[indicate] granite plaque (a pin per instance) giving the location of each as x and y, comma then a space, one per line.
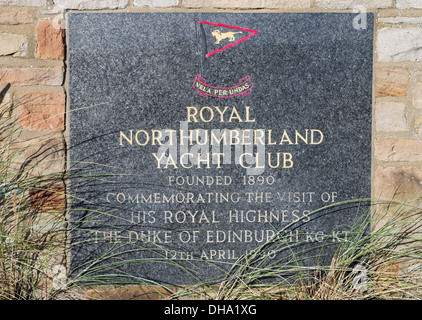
196, 138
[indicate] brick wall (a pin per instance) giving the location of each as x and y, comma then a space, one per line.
32, 60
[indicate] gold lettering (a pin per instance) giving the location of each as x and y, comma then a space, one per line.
193, 116
201, 114
247, 114
156, 136
235, 115
270, 142
221, 113
158, 159
146, 137
285, 138
312, 136
122, 135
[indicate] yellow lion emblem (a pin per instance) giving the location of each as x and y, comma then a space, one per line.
221, 36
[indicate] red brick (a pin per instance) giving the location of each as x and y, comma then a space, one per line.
32, 76
43, 111
50, 41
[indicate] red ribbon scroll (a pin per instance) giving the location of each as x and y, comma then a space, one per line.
244, 88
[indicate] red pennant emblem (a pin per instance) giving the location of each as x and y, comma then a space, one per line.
229, 34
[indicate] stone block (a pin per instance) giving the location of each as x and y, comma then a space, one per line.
409, 4
45, 157
50, 40
281, 4
391, 82
130, 293
155, 3
48, 199
417, 96
6, 105
91, 4
42, 111
396, 150
350, 4
390, 116
31, 76
397, 183
395, 45
15, 17
24, 3
13, 44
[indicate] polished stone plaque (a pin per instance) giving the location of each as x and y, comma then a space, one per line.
197, 138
